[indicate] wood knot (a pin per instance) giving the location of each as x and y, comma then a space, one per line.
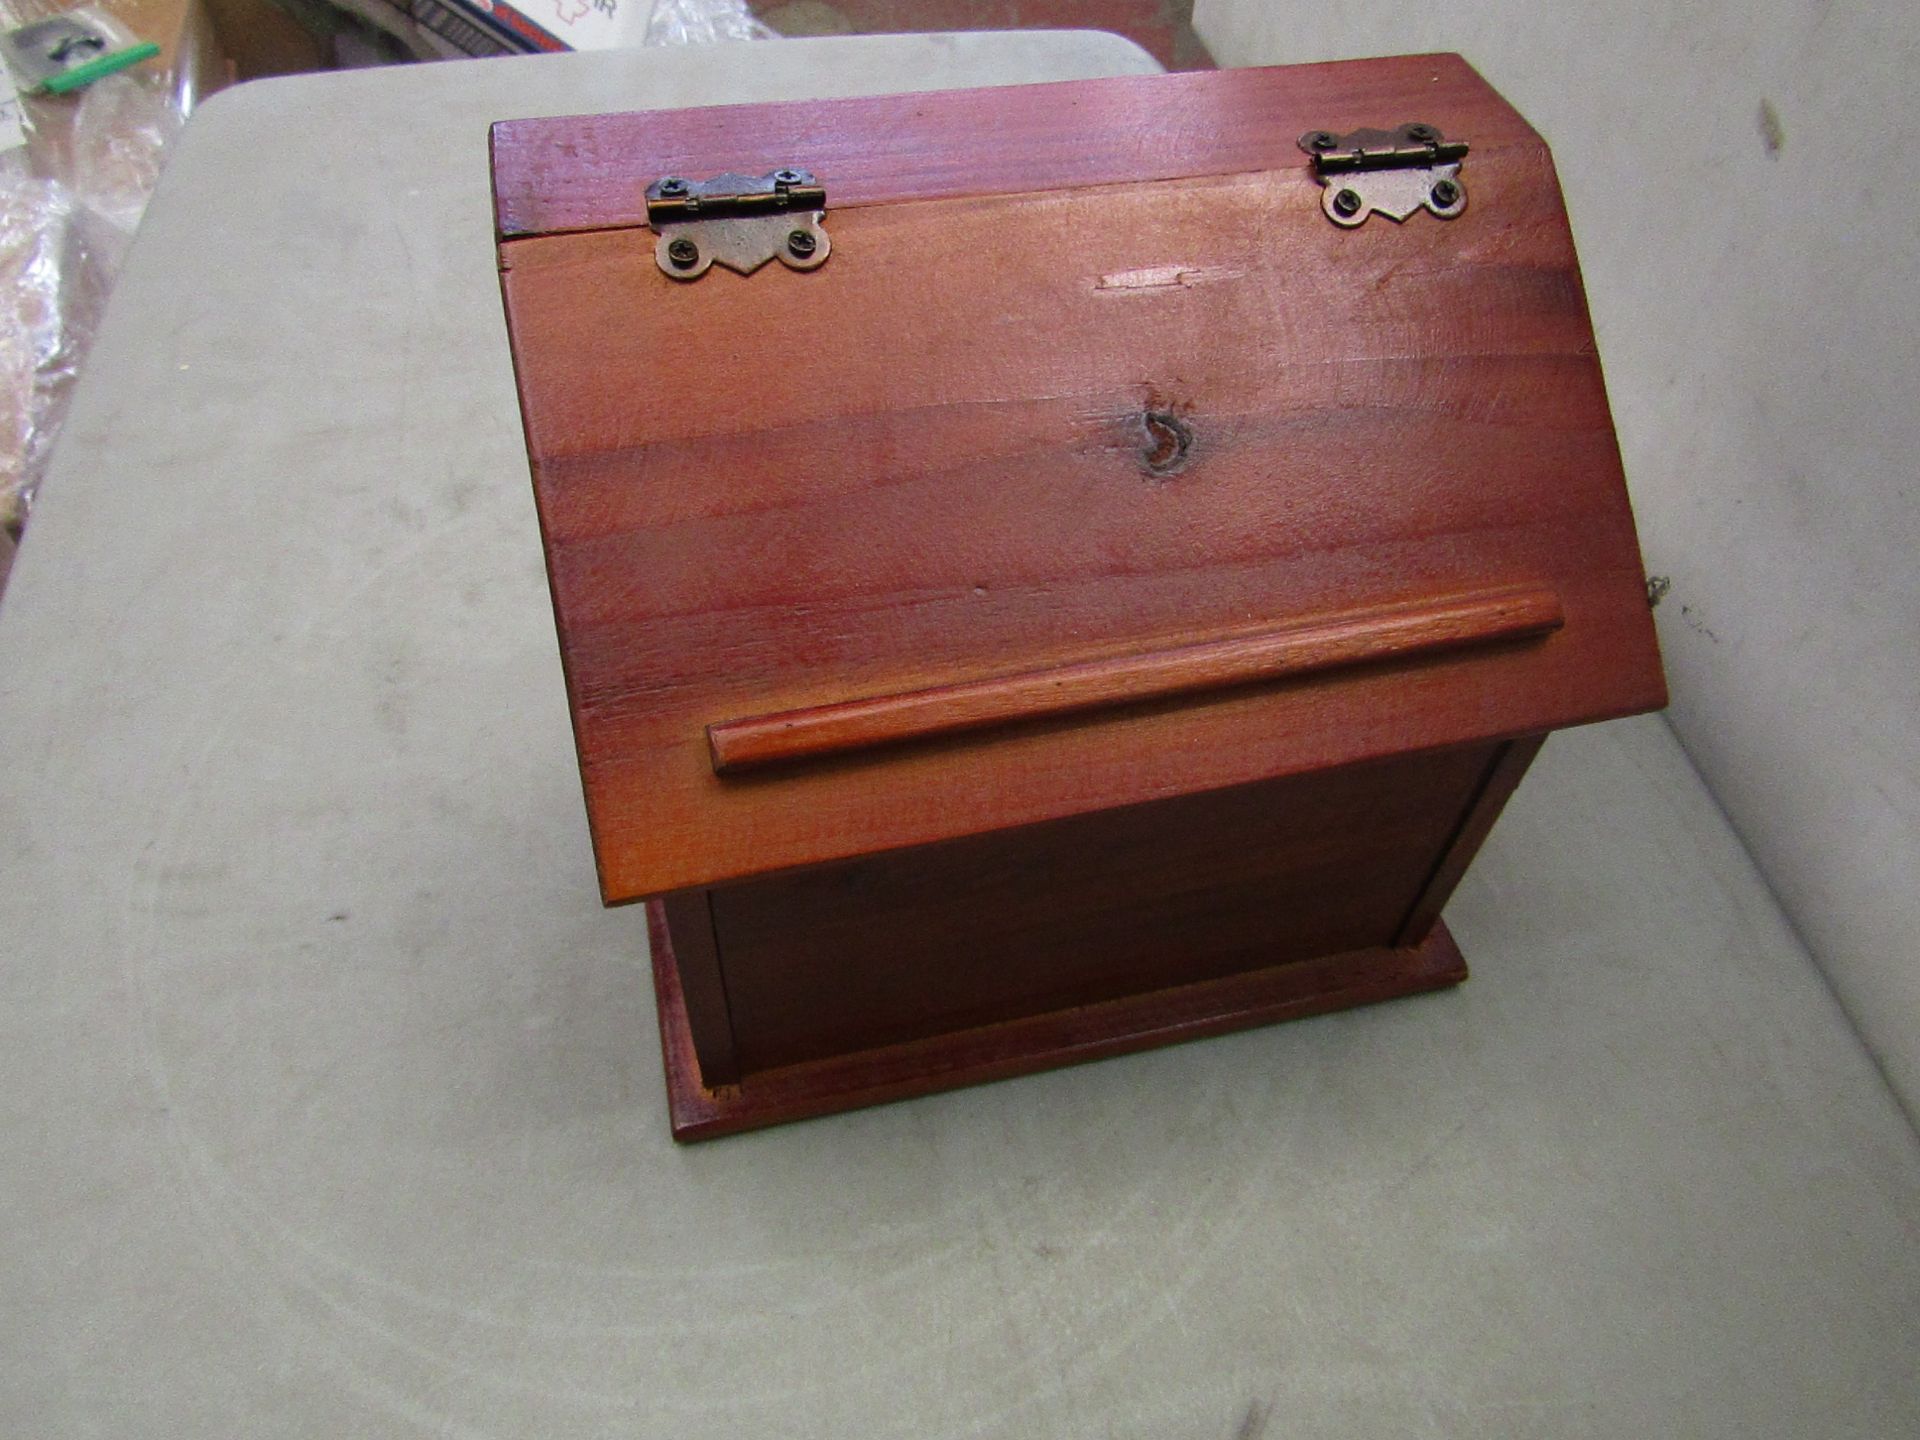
1169, 441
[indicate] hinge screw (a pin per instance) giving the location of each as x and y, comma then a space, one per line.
1322, 140
801, 244
683, 252
1445, 193
1423, 134
673, 185
1347, 202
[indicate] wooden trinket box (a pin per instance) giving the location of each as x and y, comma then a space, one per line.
1048, 571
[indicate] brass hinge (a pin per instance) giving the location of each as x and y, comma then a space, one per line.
1389, 172
740, 221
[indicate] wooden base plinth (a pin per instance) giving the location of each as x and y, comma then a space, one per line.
1020, 1047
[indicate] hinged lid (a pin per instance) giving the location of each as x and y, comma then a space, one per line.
1096, 468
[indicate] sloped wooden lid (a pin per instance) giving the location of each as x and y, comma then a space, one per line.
1096, 465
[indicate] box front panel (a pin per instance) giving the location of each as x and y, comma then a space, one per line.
899, 946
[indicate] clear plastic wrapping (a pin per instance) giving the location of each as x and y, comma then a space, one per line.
70, 199
37, 363
700, 22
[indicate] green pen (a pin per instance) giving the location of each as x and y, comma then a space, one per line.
93, 70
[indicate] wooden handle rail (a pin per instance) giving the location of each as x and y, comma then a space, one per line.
1326, 642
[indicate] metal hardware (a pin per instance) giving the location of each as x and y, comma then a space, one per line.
740, 221
1387, 172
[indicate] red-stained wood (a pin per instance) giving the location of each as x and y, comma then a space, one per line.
703, 981
1504, 772
1020, 1047
574, 173
944, 466
1191, 668
914, 942
1223, 567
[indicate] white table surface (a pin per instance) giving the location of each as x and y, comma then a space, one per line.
332, 1098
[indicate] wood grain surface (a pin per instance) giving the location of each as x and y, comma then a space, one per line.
945, 456
1194, 667
1020, 1047
941, 937
588, 172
